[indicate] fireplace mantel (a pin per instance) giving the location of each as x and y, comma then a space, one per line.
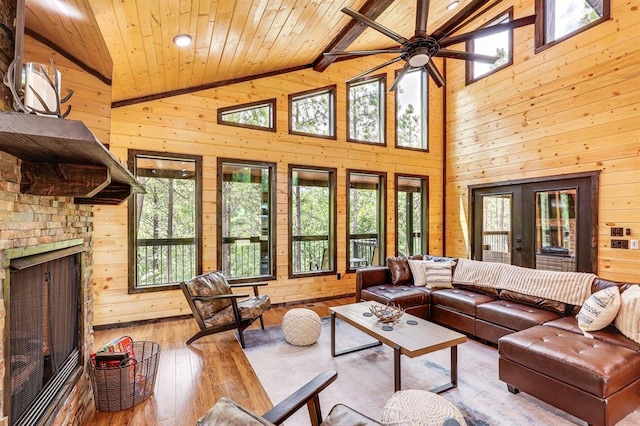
63, 158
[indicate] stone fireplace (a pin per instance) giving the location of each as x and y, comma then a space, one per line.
43, 230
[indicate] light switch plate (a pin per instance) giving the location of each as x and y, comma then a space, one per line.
633, 244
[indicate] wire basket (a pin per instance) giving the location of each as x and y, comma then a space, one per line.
119, 388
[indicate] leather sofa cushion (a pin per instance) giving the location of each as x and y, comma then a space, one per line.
399, 270
609, 334
512, 315
551, 305
485, 290
596, 367
401, 295
460, 300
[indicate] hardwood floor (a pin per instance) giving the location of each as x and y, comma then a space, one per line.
192, 378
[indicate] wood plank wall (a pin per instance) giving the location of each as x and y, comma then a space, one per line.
187, 124
574, 107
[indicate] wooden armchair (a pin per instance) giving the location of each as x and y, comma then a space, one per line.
227, 412
217, 309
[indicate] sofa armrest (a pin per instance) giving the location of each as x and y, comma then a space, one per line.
369, 277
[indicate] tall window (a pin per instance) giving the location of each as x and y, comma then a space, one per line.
312, 218
499, 44
366, 231
165, 223
313, 113
560, 19
411, 110
246, 219
259, 115
367, 111
412, 204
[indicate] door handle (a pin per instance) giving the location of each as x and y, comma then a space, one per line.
517, 248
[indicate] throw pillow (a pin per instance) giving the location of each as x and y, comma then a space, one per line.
399, 270
599, 310
628, 319
438, 274
418, 272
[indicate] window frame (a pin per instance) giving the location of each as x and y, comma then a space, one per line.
541, 24
273, 235
333, 105
381, 213
132, 216
424, 107
382, 118
333, 220
469, 78
424, 191
248, 106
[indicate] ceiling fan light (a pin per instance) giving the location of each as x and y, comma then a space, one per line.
182, 40
453, 5
419, 60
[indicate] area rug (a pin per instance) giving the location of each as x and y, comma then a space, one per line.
365, 378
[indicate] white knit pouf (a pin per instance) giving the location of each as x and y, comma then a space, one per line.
301, 327
419, 408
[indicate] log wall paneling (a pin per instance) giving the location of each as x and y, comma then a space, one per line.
571, 108
187, 123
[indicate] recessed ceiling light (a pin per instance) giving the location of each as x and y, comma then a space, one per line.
182, 40
453, 5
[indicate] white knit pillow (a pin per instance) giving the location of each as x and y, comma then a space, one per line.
438, 274
599, 310
628, 319
418, 271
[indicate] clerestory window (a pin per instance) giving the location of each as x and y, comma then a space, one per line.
259, 115
313, 113
366, 118
499, 45
412, 110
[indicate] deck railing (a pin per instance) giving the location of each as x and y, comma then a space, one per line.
165, 261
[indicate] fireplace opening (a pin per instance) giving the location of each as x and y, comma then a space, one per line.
43, 333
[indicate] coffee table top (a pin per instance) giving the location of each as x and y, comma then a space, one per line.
412, 340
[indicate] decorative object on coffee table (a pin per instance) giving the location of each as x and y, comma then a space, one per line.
387, 313
301, 327
420, 408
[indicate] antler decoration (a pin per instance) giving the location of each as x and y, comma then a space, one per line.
387, 313
55, 84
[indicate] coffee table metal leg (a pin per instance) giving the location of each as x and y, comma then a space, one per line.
397, 379
335, 353
454, 373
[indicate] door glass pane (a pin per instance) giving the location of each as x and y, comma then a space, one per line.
411, 214
365, 219
496, 228
556, 230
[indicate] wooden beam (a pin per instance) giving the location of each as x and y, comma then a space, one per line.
113, 195
454, 24
67, 180
371, 9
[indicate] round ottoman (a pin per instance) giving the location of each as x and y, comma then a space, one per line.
419, 408
301, 327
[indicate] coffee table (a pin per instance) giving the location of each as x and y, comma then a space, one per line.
410, 336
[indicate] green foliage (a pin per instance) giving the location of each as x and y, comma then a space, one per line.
365, 111
258, 116
312, 114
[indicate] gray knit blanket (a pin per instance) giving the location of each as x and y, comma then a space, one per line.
568, 287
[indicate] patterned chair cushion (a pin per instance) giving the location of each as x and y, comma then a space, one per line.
210, 284
252, 308
227, 412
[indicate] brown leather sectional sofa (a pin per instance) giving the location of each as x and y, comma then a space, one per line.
542, 350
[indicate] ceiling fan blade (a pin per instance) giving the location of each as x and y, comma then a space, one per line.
422, 16
402, 72
467, 56
376, 68
373, 24
363, 52
485, 31
434, 73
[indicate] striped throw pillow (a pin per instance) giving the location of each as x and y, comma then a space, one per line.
599, 310
418, 271
438, 274
628, 319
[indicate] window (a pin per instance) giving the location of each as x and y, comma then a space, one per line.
366, 222
312, 113
499, 44
411, 110
412, 212
312, 219
367, 111
165, 223
246, 220
559, 20
259, 115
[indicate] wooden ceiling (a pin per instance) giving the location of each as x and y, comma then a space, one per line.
232, 39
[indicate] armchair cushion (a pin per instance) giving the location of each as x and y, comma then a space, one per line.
341, 415
250, 308
228, 413
211, 284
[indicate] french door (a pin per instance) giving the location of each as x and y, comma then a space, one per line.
544, 223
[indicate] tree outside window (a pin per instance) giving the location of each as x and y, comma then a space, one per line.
412, 203
259, 115
411, 110
246, 214
499, 44
165, 222
367, 111
312, 113
559, 20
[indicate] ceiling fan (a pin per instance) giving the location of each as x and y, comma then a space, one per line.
418, 51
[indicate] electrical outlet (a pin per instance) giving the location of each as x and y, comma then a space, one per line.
617, 232
633, 244
621, 244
